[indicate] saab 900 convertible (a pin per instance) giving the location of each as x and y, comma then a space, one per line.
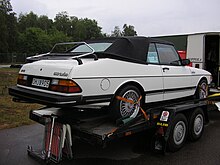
97, 71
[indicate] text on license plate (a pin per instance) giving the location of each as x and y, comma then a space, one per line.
40, 82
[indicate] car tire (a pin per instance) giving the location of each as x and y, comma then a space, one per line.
178, 134
196, 124
121, 109
202, 90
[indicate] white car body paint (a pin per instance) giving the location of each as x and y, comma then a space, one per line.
158, 84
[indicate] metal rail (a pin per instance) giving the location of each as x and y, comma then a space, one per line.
78, 57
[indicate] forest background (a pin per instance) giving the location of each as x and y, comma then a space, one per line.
27, 34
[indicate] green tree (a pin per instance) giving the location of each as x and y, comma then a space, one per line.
8, 27
12, 32
116, 32
92, 29
72, 27
34, 40
44, 23
128, 30
77, 29
5, 6
26, 21
62, 22
87, 29
3, 32
80, 31
57, 36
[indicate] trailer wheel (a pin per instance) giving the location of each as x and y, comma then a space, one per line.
178, 133
196, 124
120, 108
202, 90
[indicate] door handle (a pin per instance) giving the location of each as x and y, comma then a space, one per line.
164, 69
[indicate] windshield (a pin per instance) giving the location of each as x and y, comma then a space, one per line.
80, 47
98, 47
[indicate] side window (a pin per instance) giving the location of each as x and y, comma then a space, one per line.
168, 55
152, 56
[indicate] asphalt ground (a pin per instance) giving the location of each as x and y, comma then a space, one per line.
130, 150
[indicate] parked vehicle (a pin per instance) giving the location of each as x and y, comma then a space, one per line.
98, 71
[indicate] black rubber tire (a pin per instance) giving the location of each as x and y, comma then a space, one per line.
179, 123
196, 124
116, 110
202, 90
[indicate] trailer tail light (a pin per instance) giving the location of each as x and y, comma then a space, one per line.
22, 79
65, 86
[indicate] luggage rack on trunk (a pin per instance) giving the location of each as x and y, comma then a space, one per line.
79, 56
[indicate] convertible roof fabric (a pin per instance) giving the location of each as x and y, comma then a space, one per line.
129, 48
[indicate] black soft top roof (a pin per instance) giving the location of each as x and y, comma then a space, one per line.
129, 48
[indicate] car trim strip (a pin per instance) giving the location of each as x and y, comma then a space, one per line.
162, 91
120, 77
99, 98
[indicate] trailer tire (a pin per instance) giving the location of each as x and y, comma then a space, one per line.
196, 124
178, 134
121, 109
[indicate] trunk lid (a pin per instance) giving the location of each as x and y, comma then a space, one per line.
51, 68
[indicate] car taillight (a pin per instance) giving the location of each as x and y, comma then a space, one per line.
66, 86
22, 79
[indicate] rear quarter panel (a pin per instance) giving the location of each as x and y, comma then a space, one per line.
117, 73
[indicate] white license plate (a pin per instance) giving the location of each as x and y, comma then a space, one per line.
40, 82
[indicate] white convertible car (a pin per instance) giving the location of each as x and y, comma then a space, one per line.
99, 70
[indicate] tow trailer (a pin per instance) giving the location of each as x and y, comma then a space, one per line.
172, 123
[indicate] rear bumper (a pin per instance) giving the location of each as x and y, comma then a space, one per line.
26, 95
44, 98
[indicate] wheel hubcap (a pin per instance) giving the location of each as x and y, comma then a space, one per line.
179, 132
198, 124
203, 91
126, 109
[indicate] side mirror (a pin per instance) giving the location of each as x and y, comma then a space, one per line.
185, 62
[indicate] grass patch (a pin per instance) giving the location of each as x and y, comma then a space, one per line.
12, 114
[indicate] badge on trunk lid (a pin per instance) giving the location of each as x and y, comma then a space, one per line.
63, 74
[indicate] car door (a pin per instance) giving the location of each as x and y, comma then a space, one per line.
176, 77
154, 82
